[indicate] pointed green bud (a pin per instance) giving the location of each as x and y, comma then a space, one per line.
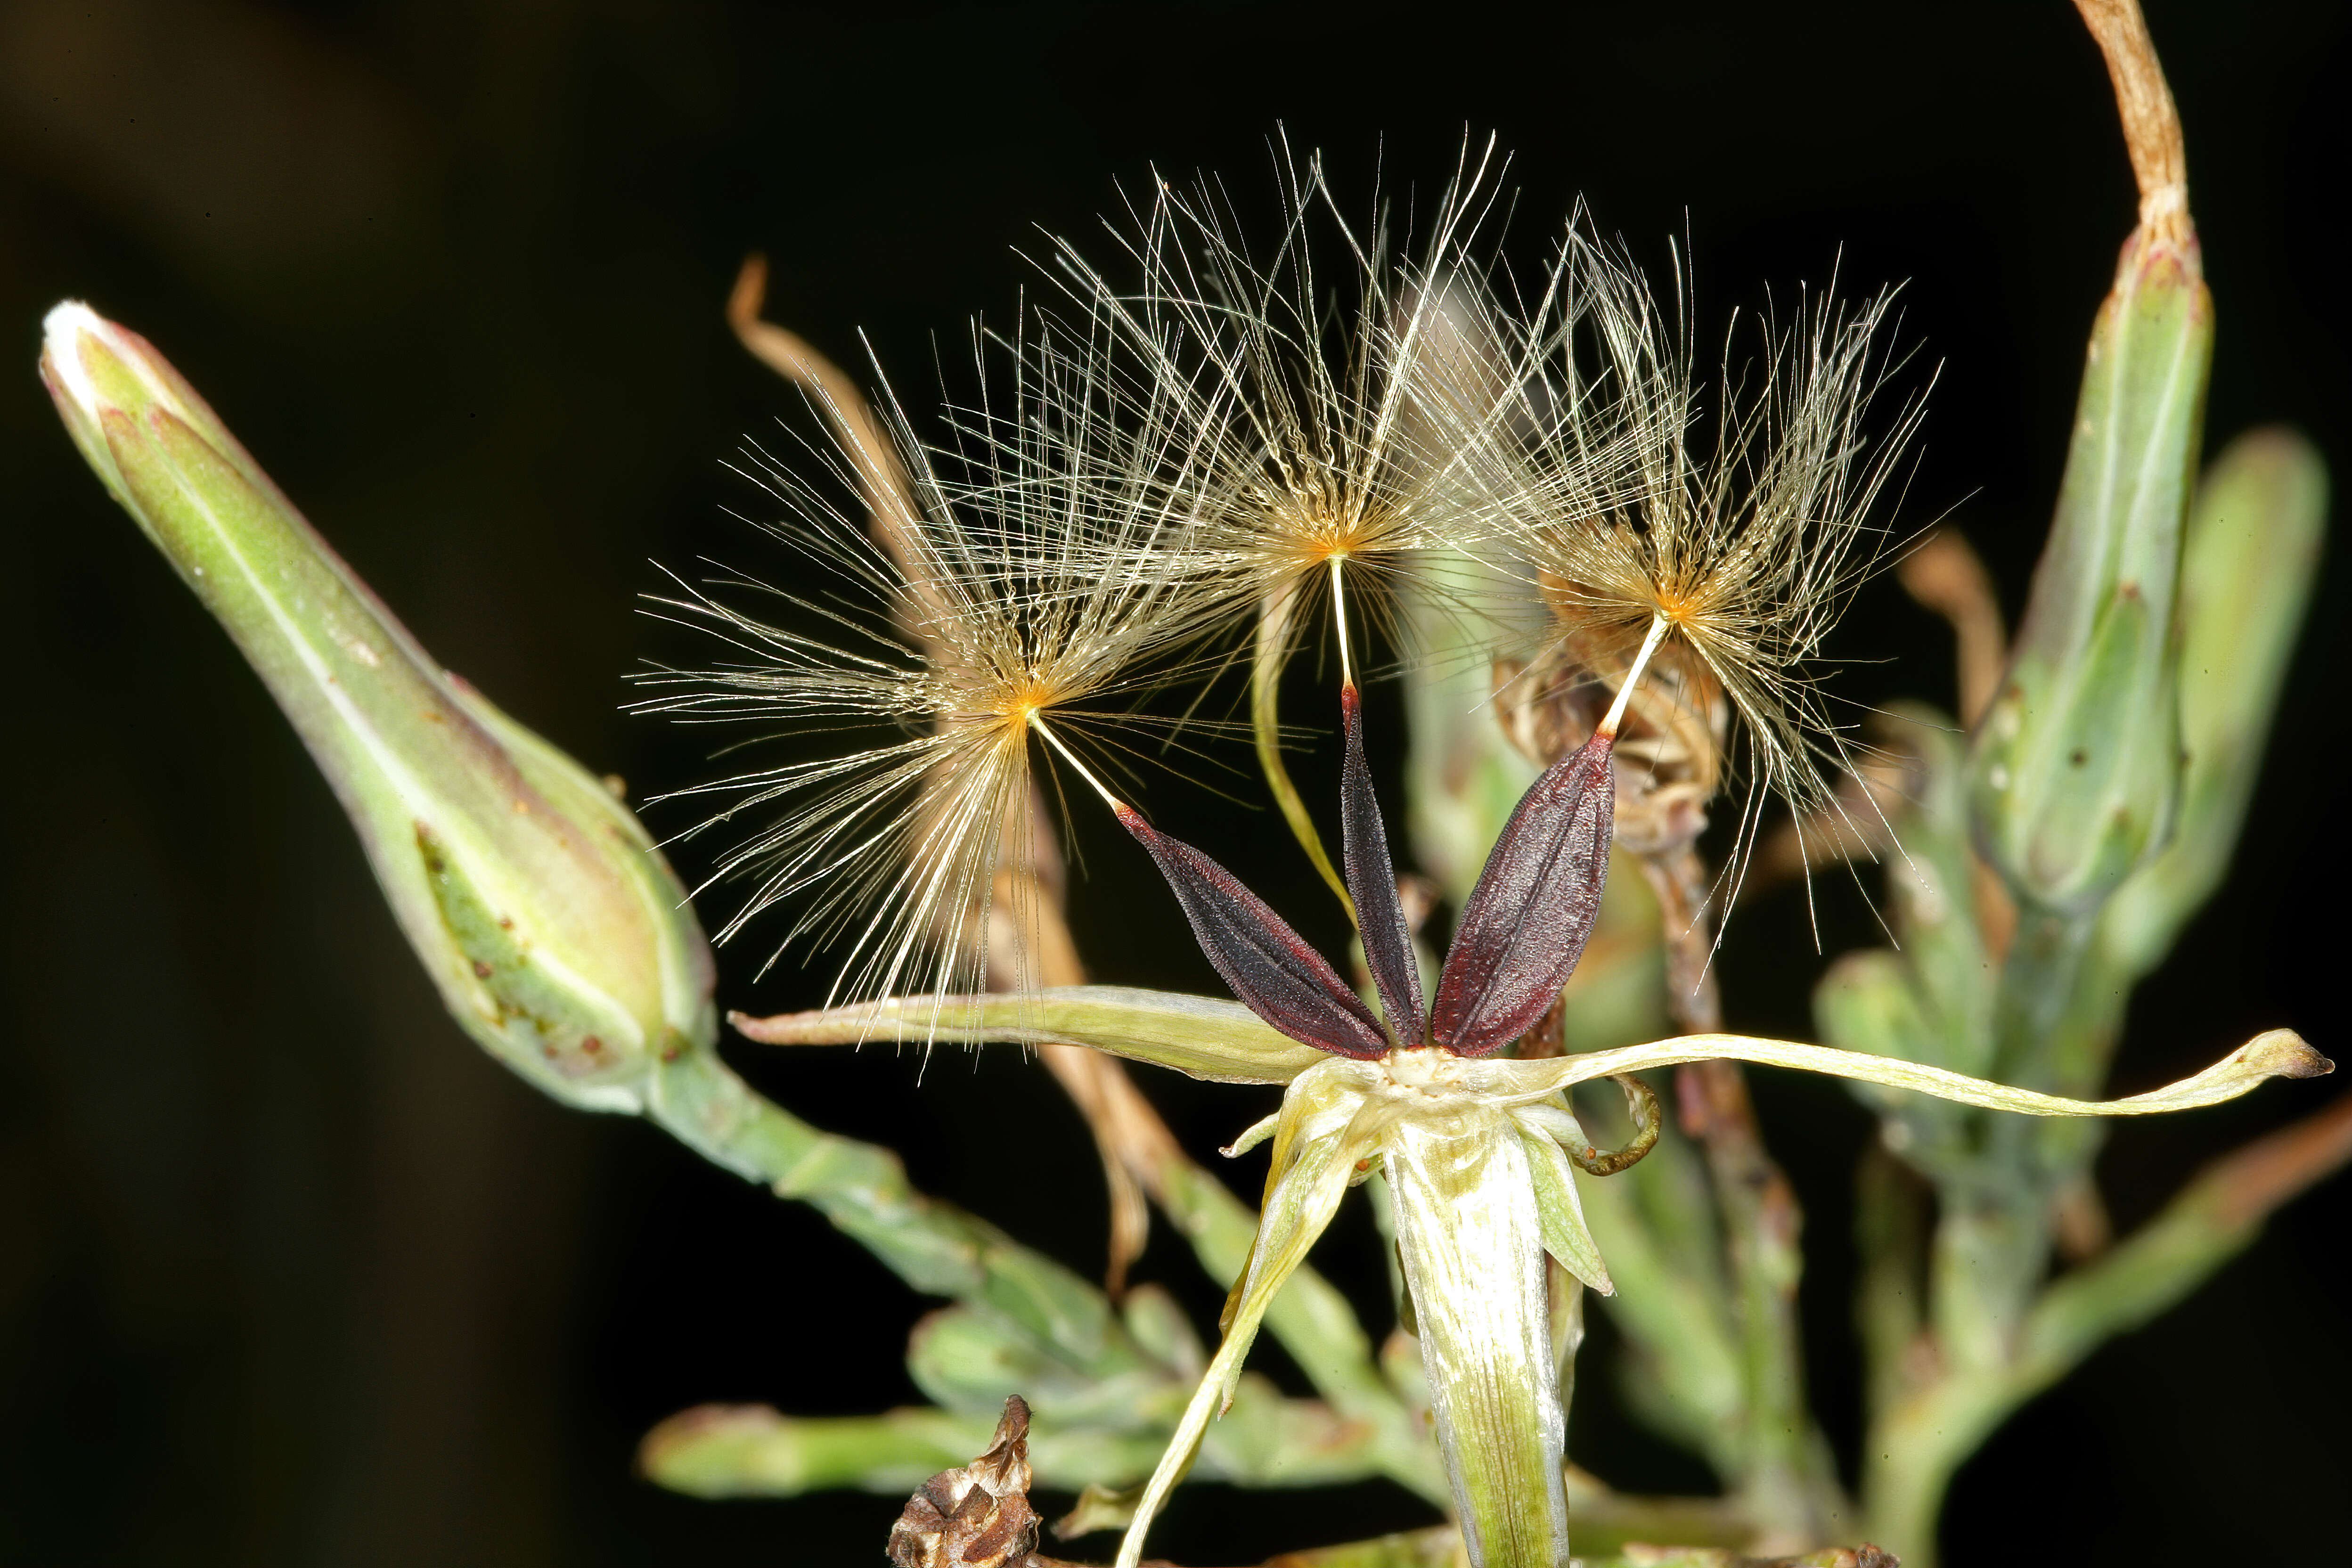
557, 935
2250, 561
2076, 765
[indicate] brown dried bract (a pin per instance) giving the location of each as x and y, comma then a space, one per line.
978, 1515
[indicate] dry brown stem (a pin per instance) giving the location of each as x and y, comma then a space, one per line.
881, 477
2249, 1184
1944, 574
2151, 122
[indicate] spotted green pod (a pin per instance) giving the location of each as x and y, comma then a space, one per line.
2075, 767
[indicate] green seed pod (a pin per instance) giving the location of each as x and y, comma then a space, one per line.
2076, 765
557, 935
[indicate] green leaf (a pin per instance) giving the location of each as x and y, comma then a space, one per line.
1562, 1212
2251, 562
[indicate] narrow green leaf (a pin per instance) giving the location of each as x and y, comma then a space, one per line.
1562, 1212
2275, 1052
1201, 1036
2251, 562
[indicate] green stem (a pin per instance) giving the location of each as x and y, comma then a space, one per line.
1891, 1221
1785, 1472
1992, 1241
863, 1189
1914, 1447
1786, 1475
1655, 1224
938, 1249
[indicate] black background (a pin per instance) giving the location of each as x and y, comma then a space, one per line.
290, 1273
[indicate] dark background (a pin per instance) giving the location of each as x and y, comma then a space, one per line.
290, 1273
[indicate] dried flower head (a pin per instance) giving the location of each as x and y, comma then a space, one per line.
1743, 554
973, 619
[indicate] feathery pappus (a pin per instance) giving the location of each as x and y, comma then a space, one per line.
973, 619
1301, 455
1725, 557
1308, 457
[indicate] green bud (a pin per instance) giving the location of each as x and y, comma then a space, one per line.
558, 936
2076, 765
2252, 558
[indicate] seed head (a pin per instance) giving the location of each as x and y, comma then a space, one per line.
1744, 542
1303, 450
973, 611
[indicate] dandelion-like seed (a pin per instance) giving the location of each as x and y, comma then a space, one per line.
1741, 557
973, 617
1305, 466
1305, 462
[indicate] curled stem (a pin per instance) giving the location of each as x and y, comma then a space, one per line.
1274, 636
1642, 1105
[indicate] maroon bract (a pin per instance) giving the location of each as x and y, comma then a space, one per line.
1372, 886
1526, 920
1270, 967
1520, 934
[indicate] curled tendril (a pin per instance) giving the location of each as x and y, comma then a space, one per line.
1643, 1106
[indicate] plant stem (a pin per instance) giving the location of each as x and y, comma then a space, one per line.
1914, 1447
863, 1189
1786, 1479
